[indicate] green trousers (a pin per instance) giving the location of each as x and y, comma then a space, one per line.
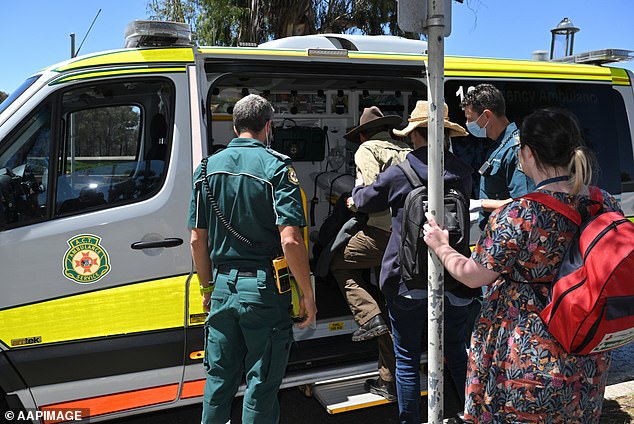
248, 332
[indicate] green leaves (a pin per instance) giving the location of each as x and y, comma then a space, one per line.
228, 22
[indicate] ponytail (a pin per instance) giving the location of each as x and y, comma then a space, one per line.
580, 169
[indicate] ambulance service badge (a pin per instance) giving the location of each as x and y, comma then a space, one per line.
85, 261
292, 175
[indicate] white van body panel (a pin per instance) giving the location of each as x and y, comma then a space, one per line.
376, 43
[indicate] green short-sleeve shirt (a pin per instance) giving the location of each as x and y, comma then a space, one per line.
256, 190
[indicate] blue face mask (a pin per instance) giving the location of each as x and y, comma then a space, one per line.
475, 129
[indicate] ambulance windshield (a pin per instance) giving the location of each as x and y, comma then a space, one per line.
17, 92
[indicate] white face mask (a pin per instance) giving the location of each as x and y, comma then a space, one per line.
475, 129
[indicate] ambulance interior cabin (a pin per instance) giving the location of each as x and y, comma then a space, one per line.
312, 114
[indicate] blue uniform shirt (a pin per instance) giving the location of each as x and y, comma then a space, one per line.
256, 189
504, 179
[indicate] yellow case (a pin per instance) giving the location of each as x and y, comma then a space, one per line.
282, 274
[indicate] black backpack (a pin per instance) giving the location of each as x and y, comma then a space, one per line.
413, 251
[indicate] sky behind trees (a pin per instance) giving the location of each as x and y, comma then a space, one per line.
35, 34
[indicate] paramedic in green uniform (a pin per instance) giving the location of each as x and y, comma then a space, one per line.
249, 329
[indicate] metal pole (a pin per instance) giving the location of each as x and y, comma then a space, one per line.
435, 284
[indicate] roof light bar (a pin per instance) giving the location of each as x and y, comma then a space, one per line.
142, 33
599, 57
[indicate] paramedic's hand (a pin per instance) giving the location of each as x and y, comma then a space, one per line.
435, 237
307, 310
207, 302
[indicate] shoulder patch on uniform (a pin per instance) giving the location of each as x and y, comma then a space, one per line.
292, 175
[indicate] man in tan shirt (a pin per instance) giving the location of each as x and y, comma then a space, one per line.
377, 151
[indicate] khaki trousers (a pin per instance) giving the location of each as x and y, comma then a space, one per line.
365, 250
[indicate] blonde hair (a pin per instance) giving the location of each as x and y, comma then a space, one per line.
580, 169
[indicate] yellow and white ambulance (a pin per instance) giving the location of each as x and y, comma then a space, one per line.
98, 310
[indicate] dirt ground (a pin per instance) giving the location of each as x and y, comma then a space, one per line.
618, 411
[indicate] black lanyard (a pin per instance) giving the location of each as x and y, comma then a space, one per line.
552, 180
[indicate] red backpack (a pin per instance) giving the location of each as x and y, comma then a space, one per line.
591, 306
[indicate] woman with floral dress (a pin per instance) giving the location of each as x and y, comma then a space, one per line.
517, 371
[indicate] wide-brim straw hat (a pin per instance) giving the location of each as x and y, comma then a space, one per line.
372, 118
420, 118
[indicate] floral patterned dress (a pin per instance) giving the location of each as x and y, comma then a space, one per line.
517, 372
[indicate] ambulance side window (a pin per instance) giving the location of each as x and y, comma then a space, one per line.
24, 169
600, 110
115, 144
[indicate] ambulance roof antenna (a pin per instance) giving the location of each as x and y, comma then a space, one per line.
74, 53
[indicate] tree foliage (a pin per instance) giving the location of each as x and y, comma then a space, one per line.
172, 10
228, 22
3, 96
107, 131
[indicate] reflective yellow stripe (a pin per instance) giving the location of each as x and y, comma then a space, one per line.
114, 73
620, 76
460, 66
251, 51
120, 57
388, 56
147, 306
489, 68
242, 51
525, 75
454, 66
195, 313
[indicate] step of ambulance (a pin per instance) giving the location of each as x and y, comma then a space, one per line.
334, 326
349, 394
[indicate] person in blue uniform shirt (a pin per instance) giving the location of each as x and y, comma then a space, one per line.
502, 180
257, 217
407, 305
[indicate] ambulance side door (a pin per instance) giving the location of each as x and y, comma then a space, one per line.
94, 187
